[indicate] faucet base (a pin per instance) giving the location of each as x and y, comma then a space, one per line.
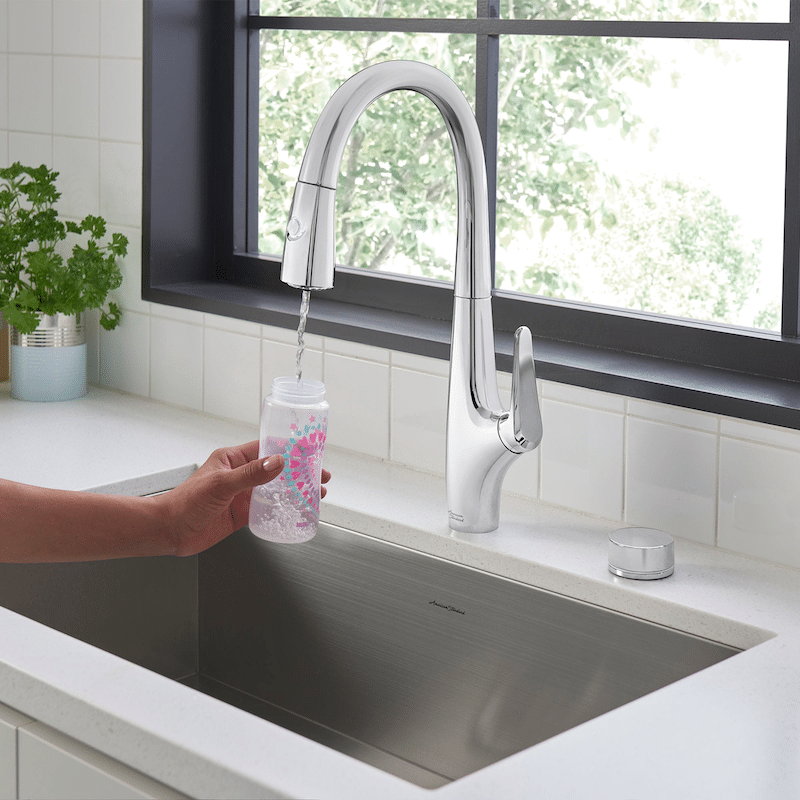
474, 504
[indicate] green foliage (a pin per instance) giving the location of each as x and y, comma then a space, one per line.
396, 201
674, 249
35, 276
398, 178
550, 88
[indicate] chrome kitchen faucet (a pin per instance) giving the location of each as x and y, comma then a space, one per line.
482, 439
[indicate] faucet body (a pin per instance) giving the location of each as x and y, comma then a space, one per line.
482, 438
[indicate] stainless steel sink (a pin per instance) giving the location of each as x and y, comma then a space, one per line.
424, 668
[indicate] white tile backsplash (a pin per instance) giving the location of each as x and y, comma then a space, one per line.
673, 415
76, 106
581, 396
30, 148
231, 375
76, 27
77, 162
279, 359
121, 114
129, 295
30, 26
176, 362
93, 346
3, 91
3, 26
759, 503
358, 392
30, 93
419, 414
765, 434
582, 455
433, 366
121, 28
232, 325
289, 336
671, 480
121, 183
523, 476
181, 314
71, 96
363, 352
125, 355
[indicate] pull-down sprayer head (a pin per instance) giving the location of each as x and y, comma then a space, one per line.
309, 247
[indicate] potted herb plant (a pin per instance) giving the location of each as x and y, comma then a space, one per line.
43, 293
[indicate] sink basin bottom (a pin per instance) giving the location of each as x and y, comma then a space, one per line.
421, 667
381, 759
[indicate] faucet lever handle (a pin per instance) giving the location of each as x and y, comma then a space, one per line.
521, 430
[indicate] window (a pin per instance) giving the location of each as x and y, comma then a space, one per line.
671, 277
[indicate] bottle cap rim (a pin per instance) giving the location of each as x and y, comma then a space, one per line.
306, 391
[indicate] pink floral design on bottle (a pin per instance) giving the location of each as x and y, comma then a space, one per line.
301, 455
294, 422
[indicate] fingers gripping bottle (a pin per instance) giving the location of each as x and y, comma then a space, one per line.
294, 423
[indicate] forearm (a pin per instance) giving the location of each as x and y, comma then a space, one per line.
38, 525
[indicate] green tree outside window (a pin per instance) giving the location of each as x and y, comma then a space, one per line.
661, 244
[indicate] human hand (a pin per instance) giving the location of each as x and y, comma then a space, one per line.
215, 501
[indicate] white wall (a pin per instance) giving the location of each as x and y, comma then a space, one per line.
70, 96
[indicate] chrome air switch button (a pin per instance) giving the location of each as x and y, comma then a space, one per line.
295, 229
644, 554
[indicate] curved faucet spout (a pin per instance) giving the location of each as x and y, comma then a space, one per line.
482, 439
308, 256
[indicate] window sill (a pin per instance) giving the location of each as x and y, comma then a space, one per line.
711, 389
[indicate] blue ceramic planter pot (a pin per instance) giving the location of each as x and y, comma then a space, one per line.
50, 363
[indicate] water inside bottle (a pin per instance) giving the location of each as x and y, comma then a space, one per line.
276, 515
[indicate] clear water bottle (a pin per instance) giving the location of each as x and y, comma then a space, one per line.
294, 423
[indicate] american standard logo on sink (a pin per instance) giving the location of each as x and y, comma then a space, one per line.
447, 608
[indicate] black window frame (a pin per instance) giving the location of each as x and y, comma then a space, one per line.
198, 222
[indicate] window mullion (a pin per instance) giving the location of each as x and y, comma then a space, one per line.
253, 90
487, 60
790, 315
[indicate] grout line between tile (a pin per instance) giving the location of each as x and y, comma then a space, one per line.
539, 470
149, 360
760, 442
99, 89
673, 424
625, 420
390, 379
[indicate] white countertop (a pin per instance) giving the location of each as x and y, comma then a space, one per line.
731, 731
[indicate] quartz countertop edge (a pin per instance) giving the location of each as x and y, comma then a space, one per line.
729, 731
